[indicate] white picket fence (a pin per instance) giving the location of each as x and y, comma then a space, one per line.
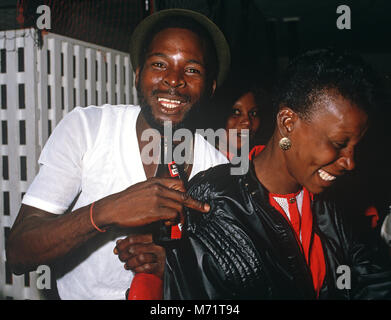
38, 87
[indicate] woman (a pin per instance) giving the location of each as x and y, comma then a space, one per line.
237, 106
270, 234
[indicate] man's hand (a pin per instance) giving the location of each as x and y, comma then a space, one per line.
141, 255
147, 202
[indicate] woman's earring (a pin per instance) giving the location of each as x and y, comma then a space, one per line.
285, 143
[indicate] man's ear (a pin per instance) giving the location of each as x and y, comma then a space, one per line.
286, 119
137, 77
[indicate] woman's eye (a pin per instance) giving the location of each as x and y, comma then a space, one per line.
339, 145
236, 112
254, 113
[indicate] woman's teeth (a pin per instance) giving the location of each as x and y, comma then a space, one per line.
168, 103
326, 176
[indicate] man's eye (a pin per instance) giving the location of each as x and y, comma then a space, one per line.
158, 64
193, 71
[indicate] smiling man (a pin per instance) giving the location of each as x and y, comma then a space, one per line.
94, 160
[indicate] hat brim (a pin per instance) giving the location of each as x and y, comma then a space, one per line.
219, 41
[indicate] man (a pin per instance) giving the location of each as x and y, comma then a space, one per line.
94, 158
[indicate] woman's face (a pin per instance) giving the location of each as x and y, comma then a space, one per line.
244, 116
323, 146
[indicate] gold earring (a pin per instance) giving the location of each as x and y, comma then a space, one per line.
285, 143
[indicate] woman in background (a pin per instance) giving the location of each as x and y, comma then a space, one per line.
238, 106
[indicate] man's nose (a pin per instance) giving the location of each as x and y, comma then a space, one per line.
174, 80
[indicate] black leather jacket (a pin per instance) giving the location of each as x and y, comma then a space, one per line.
244, 249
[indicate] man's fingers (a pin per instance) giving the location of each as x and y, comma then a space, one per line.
174, 189
140, 238
137, 251
147, 263
185, 200
169, 215
123, 244
146, 268
170, 183
141, 260
163, 199
177, 189
195, 204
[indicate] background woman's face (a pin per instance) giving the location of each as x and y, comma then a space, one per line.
323, 146
244, 116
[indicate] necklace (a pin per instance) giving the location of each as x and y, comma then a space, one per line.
184, 162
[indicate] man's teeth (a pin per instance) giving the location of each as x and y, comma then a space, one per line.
326, 176
168, 103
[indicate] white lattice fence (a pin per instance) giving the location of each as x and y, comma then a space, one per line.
38, 87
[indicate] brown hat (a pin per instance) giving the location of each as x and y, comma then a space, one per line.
218, 39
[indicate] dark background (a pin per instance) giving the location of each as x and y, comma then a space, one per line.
263, 35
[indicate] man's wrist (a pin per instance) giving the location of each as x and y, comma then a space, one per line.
98, 215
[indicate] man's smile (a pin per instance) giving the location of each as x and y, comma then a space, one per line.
171, 105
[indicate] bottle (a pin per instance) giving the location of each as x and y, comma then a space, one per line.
167, 235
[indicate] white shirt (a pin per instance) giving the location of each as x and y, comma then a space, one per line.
95, 151
283, 203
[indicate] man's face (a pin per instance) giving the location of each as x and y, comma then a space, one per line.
173, 79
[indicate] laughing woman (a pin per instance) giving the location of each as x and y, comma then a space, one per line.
269, 234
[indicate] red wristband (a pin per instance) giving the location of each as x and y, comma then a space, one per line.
92, 220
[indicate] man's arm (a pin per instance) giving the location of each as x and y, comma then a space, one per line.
39, 237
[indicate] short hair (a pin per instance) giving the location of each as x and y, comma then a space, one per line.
189, 24
312, 74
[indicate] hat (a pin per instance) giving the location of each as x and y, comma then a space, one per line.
218, 39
